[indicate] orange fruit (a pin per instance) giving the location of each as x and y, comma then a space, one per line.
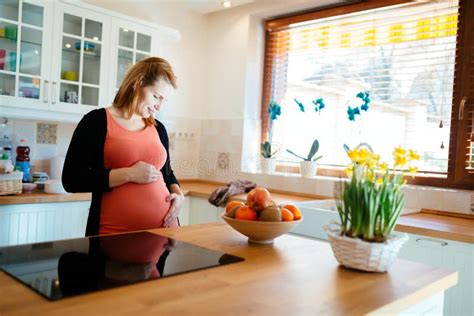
293, 209
287, 215
246, 213
231, 204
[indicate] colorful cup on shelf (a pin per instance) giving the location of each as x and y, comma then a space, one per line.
2, 32
11, 32
88, 47
70, 75
12, 61
2, 58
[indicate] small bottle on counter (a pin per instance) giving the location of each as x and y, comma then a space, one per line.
23, 159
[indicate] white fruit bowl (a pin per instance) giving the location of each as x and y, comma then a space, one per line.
260, 232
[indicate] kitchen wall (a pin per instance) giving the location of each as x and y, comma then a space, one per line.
230, 132
45, 139
213, 118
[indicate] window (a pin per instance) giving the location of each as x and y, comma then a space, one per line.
415, 61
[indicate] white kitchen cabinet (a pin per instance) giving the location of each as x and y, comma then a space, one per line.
130, 43
448, 254
30, 223
72, 56
80, 56
61, 71
25, 31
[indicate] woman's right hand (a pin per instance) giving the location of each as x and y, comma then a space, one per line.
142, 172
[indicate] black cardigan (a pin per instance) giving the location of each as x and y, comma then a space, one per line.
84, 169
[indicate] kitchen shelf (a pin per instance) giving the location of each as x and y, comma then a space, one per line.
91, 54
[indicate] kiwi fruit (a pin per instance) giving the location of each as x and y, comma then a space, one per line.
233, 210
270, 214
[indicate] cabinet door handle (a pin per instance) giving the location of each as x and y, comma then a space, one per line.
45, 91
442, 243
53, 98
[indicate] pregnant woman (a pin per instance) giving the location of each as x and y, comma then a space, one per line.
120, 154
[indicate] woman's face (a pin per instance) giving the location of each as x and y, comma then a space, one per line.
152, 98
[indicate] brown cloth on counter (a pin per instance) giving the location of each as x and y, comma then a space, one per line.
220, 195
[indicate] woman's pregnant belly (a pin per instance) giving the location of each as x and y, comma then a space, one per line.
134, 206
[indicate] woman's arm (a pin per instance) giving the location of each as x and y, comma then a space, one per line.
140, 172
83, 169
166, 170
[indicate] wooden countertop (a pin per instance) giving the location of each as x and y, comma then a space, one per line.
439, 225
41, 197
296, 276
427, 223
204, 189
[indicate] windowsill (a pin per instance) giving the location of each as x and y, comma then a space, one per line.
292, 169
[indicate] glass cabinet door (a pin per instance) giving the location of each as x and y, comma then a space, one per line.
132, 47
81, 58
21, 48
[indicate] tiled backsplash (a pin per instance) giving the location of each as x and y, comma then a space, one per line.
45, 139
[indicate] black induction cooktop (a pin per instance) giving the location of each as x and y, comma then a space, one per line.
71, 267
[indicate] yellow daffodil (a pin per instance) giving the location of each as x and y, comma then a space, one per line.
364, 154
375, 157
349, 170
399, 151
400, 161
412, 155
379, 181
383, 166
353, 155
412, 169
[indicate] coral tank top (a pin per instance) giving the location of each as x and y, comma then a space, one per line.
132, 206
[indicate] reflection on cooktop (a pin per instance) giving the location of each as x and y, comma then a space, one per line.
70, 267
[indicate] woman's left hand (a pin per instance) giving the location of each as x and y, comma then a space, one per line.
177, 201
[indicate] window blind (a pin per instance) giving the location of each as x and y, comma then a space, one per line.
403, 56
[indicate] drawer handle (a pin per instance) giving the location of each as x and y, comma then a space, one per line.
45, 91
53, 98
442, 243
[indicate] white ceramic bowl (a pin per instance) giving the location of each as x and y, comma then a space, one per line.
258, 231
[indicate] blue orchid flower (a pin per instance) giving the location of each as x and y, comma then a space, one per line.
364, 96
319, 104
300, 104
274, 109
352, 112
361, 95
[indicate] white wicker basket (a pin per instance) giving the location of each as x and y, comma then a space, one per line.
362, 255
10, 183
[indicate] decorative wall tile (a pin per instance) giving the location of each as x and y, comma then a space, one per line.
46, 133
223, 160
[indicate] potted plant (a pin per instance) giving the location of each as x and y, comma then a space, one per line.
268, 160
309, 164
369, 206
